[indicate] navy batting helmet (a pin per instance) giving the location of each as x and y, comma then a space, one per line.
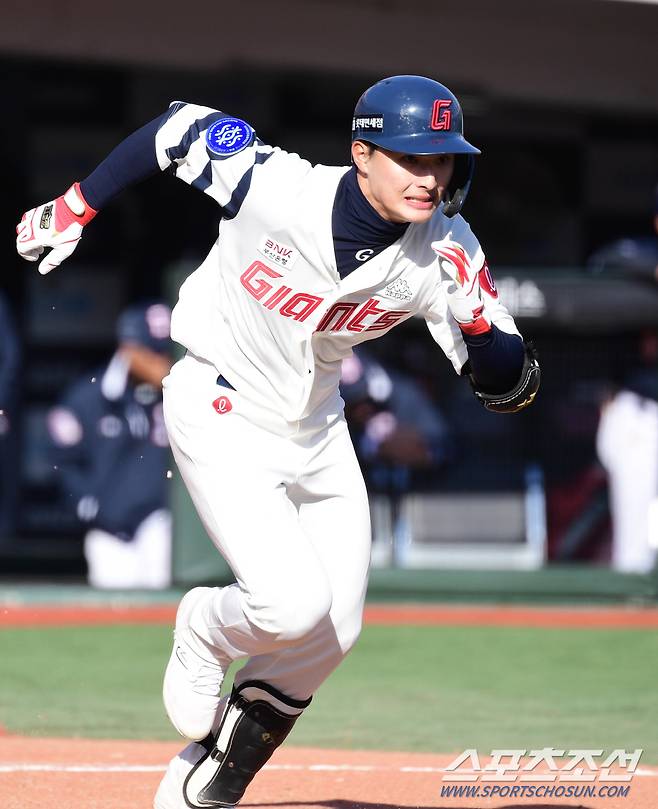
415, 115
146, 324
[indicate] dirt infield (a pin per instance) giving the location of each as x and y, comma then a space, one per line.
99, 774
382, 614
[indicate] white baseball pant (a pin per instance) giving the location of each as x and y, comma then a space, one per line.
144, 562
286, 505
627, 446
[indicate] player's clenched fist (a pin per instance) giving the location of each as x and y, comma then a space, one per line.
56, 225
461, 285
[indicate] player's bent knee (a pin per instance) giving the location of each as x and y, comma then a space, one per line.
299, 617
348, 633
291, 616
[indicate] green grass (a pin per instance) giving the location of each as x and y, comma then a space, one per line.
404, 688
449, 688
98, 682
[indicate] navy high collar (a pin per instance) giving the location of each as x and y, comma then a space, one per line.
359, 231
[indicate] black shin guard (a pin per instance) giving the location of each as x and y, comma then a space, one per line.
251, 730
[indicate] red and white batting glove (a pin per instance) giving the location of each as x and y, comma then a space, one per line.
461, 285
57, 225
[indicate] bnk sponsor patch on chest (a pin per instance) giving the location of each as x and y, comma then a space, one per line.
277, 252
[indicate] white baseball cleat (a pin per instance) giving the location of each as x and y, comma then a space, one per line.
195, 671
170, 790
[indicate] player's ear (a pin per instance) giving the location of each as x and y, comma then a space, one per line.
361, 152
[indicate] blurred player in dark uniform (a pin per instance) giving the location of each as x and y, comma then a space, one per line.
9, 366
631, 257
395, 426
111, 455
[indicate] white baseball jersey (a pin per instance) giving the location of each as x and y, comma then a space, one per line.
268, 307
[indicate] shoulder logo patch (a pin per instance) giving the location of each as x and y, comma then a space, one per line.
228, 136
399, 290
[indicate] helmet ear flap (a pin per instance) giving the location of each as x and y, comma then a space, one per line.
460, 183
453, 204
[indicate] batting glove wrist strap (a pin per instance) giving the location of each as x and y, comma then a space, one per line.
522, 394
56, 225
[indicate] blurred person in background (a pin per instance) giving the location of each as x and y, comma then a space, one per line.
395, 426
627, 446
635, 258
10, 356
110, 451
627, 434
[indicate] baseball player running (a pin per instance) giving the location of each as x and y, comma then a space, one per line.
309, 262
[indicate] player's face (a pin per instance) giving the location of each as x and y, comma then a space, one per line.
145, 365
403, 187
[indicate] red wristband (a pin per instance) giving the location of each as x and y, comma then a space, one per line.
65, 216
479, 324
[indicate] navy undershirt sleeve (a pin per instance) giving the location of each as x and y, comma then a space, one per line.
134, 159
495, 359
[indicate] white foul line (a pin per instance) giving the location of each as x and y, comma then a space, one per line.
81, 768
147, 768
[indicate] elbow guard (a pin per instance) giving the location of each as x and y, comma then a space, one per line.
522, 394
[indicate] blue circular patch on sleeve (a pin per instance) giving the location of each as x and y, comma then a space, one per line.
228, 136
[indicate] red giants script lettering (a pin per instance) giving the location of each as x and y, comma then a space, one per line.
350, 316
299, 305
